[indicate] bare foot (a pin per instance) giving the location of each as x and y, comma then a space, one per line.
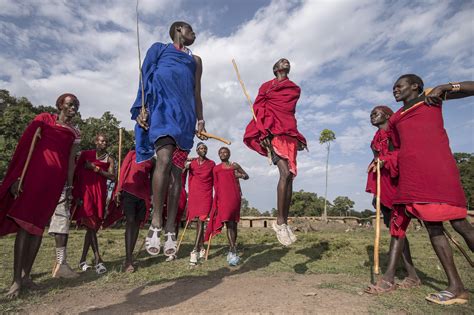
29, 284
14, 291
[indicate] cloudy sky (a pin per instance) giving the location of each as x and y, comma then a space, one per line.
345, 55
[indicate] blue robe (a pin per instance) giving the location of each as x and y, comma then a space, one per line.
168, 76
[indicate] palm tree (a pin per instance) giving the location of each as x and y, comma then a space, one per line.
326, 137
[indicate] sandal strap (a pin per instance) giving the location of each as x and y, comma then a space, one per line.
155, 229
170, 234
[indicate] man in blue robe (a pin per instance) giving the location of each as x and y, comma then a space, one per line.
171, 77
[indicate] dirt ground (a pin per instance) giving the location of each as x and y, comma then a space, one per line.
245, 293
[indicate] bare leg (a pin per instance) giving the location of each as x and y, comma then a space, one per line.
95, 247
232, 235
131, 235
466, 230
20, 253
445, 254
199, 235
284, 191
174, 193
60, 240
408, 262
397, 245
160, 183
85, 248
33, 247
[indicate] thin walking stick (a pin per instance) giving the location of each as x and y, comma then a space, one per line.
448, 235
28, 159
119, 156
181, 238
377, 222
142, 86
208, 246
140, 249
269, 154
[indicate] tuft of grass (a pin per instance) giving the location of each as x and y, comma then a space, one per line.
347, 256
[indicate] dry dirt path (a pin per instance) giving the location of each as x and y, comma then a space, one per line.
246, 293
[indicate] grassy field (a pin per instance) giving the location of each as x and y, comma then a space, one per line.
332, 250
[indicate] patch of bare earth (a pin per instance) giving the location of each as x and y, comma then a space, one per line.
245, 293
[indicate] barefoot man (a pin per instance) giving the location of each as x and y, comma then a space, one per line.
171, 76
275, 130
26, 209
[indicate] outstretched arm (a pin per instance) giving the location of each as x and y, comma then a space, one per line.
450, 91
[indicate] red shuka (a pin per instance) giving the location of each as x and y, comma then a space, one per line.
428, 172
274, 110
227, 198
134, 179
200, 189
389, 171
44, 179
91, 188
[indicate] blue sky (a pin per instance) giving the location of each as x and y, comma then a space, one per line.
345, 55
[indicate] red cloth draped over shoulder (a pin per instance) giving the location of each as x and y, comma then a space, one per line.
44, 179
134, 179
227, 199
274, 110
91, 188
389, 171
428, 172
200, 188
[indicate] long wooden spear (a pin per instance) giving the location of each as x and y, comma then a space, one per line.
377, 222
269, 154
143, 109
119, 157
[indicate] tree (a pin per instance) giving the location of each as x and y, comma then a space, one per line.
326, 137
342, 205
247, 211
465, 163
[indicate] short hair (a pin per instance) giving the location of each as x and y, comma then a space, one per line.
174, 26
385, 109
100, 134
62, 97
225, 148
275, 66
199, 144
414, 79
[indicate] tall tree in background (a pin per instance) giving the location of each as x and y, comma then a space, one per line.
326, 137
342, 205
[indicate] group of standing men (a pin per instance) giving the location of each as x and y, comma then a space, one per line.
411, 146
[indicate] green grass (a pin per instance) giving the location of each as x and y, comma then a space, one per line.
323, 252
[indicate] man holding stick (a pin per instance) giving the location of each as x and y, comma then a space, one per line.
167, 108
45, 153
429, 185
274, 130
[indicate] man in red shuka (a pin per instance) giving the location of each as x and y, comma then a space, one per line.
274, 129
93, 169
429, 186
26, 209
200, 197
383, 149
226, 203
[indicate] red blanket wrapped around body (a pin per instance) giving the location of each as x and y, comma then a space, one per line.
200, 189
227, 199
44, 179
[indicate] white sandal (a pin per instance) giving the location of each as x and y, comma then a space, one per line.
84, 266
100, 268
170, 245
153, 242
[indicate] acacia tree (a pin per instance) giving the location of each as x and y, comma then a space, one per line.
326, 137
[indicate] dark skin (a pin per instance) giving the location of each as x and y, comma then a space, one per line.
199, 242
26, 244
405, 91
285, 183
379, 119
224, 155
90, 239
437, 94
166, 177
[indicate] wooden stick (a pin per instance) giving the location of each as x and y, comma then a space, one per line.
119, 157
377, 222
140, 248
448, 235
28, 158
208, 246
181, 238
140, 64
269, 153
211, 136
